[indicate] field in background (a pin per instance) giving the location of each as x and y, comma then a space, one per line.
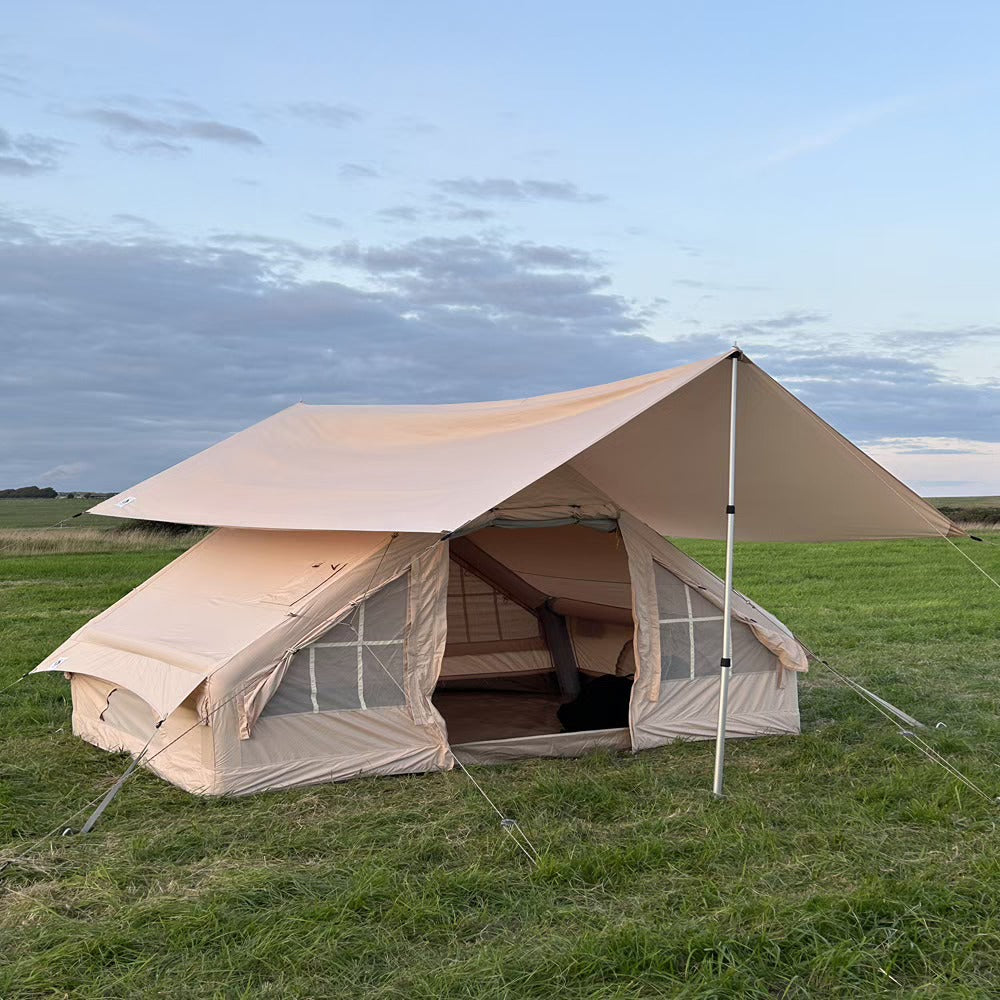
33, 527
49, 513
29, 542
968, 503
970, 512
843, 863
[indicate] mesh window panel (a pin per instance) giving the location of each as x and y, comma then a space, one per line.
336, 677
294, 695
383, 676
690, 629
750, 655
382, 656
691, 634
341, 671
477, 612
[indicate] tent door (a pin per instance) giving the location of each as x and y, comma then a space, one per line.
534, 616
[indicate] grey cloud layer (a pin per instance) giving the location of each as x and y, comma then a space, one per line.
121, 358
26, 154
324, 113
505, 189
870, 395
135, 132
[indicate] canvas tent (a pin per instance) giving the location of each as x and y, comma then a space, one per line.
389, 586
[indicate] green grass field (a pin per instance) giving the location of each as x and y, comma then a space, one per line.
971, 503
842, 864
50, 513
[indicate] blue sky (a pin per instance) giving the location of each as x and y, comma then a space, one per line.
209, 211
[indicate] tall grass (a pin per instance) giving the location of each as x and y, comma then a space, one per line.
54, 541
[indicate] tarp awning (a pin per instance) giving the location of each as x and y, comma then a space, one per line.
656, 444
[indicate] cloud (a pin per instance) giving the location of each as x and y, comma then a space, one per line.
11, 84
929, 342
505, 189
330, 221
794, 319
158, 348
400, 213
444, 210
836, 129
357, 171
324, 113
26, 155
131, 221
871, 396
150, 349
716, 286
130, 131
489, 279
463, 213
63, 471
415, 126
941, 466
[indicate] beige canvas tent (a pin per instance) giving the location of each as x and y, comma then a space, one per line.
388, 587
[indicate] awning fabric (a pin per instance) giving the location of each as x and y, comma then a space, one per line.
657, 445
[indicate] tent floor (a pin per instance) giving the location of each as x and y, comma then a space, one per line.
473, 716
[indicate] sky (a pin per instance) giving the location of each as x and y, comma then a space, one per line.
209, 212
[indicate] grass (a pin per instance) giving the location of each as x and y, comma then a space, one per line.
970, 503
41, 513
842, 864
28, 542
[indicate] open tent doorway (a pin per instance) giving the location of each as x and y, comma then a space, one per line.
540, 639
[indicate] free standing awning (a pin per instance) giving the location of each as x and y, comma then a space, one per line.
656, 444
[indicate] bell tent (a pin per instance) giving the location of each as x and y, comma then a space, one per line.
389, 588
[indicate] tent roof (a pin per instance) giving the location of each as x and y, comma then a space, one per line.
656, 444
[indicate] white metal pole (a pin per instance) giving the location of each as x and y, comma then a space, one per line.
726, 666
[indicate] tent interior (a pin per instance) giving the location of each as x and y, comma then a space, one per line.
535, 613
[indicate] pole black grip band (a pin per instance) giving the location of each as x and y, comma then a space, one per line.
725, 663
730, 508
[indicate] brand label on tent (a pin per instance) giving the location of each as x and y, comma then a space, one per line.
59, 662
125, 502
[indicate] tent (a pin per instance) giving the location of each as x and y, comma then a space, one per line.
391, 587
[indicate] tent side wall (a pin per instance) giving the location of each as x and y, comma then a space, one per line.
678, 641
181, 751
350, 694
236, 607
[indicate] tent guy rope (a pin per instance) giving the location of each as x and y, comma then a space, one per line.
909, 735
507, 823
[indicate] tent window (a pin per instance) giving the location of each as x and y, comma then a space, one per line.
478, 612
690, 629
691, 634
356, 664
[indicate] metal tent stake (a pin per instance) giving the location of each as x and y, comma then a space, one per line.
726, 665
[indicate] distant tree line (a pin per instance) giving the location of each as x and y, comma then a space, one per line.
972, 514
48, 493
29, 493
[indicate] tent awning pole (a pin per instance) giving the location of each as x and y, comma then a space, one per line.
726, 665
